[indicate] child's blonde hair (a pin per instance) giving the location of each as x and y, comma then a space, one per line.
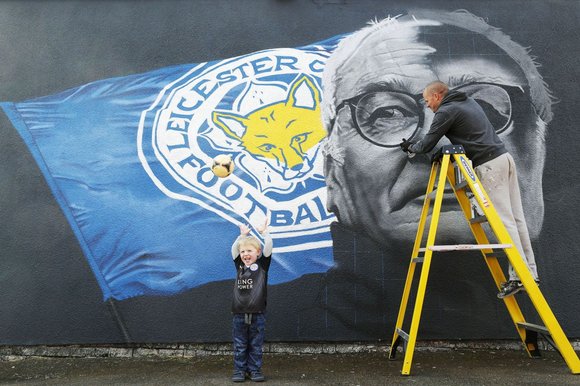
250, 240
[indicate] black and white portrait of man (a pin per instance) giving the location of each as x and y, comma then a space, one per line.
372, 99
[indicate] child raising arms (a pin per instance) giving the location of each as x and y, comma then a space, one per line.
249, 302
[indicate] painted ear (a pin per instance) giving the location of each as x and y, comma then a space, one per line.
233, 125
303, 93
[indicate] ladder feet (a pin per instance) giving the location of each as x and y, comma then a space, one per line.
532, 332
402, 336
394, 347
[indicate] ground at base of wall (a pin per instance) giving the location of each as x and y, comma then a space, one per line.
190, 350
430, 367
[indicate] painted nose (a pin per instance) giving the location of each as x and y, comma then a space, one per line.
428, 117
292, 160
427, 120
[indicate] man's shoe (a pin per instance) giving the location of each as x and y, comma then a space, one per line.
257, 376
510, 288
239, 376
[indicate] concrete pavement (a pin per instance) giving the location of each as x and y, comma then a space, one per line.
430, 367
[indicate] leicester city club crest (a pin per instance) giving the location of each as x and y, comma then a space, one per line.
262, 109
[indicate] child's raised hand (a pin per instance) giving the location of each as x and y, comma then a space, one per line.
263, 228
244, 229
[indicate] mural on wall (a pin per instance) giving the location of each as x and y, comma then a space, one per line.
373, 86
314, 134
129, 159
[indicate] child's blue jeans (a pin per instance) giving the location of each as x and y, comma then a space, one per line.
248, 341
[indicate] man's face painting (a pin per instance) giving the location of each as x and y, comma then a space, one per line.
373, 186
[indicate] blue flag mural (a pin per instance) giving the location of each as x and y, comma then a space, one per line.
129, 161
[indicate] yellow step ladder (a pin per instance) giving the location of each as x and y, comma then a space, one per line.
464, 181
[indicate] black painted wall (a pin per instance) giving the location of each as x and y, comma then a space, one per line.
49, 294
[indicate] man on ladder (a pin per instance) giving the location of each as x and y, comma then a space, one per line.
462, 120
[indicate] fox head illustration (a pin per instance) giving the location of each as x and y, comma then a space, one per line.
283, 134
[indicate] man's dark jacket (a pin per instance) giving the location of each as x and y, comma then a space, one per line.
463, 122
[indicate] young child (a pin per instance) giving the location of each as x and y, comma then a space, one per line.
249, 303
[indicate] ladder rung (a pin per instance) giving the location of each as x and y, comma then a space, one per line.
433, 193
465, 247
403, 334
478, 219
418, 259
461, 185
492, 255
534, 327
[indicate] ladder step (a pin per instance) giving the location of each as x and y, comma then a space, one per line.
493, 255
434, 193
403, 334
465, 247
461, 185
534, 327
478, 219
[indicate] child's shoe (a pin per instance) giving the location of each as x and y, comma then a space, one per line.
238, 376
257, 376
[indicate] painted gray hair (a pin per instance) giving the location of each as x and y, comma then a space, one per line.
541, 97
